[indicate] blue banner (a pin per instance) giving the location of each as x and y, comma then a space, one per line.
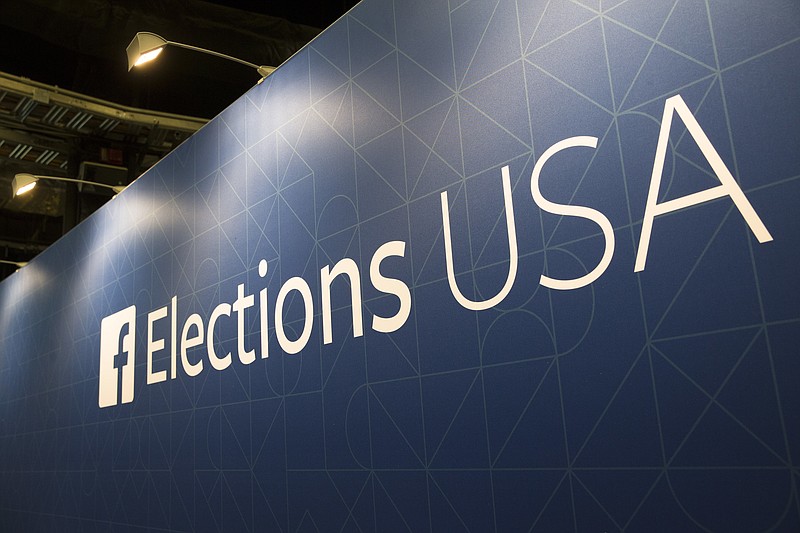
485, 265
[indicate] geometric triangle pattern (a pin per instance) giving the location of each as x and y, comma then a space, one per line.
314, 349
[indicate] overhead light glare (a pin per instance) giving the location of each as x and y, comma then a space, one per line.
26, 188
148, 56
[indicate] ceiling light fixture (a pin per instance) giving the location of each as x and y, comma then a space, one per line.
146, 46
24, 182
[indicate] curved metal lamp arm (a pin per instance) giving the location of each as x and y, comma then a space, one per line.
18, 264
34, 177
145, 42
264, 70
116, 188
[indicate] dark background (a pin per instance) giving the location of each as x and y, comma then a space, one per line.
80, 45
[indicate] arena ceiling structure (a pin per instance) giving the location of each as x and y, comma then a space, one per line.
69, 107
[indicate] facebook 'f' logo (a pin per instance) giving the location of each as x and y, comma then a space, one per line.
117, 341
